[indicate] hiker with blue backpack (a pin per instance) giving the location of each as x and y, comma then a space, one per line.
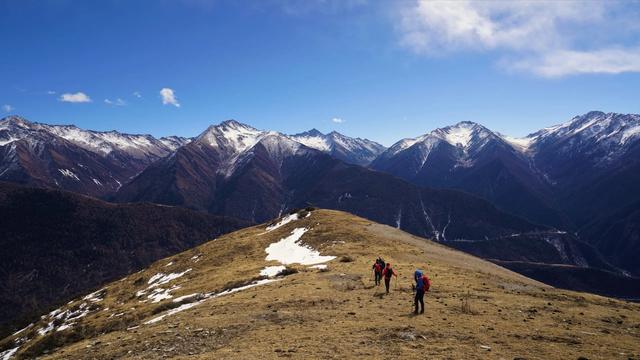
422, 286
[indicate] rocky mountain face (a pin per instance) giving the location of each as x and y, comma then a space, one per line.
69, 158
299, 287
350, 150
469, 157
236, 170
57, 245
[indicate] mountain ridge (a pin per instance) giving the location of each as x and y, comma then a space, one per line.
212, 300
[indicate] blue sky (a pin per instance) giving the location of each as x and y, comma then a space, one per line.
385, 69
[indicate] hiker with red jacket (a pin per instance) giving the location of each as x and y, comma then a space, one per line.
377, 271
422, 285
387, 273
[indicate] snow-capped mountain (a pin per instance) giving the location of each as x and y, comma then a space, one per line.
137, 146
351, 150
470, 157
230, 160
70, 158
593, 162
235, 170
577, 175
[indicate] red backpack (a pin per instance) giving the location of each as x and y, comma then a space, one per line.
426, 282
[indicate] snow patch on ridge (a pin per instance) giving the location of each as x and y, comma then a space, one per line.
290, 251
271, 271
184, 307
161, 278
7, 354
285, 220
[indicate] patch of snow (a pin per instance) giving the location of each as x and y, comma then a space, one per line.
169, 264
7, 354
185, 297
22, 330
630, 133
522, 144
458, 135
95, 296
46, 330
318, 142
68, 173
97, 182
284, 221
7, 141
161, 278
186, 306
290, 251
271, 271
159, 294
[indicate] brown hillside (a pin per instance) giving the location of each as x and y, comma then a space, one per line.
475, 309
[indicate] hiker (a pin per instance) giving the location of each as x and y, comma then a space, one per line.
377, 271
422, 285
387, 273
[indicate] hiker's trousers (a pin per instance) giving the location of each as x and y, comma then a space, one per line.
419, 299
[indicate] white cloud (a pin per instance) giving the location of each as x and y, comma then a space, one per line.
137, 94
116, 102
567, 62
78, 97
168, 97
542, 36
51, 92
7, 108
337, 120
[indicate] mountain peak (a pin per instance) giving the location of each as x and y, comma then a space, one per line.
464, 133
230, 135
310, 133
16, 121
233, 123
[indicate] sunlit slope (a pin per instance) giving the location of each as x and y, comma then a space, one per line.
211, 302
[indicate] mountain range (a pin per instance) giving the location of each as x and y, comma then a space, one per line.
578, 176
517, 201
67, 157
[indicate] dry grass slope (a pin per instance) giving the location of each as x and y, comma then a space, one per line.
476, 310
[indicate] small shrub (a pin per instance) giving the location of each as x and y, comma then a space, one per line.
346, 259
465, 306
238, 283
167, 305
